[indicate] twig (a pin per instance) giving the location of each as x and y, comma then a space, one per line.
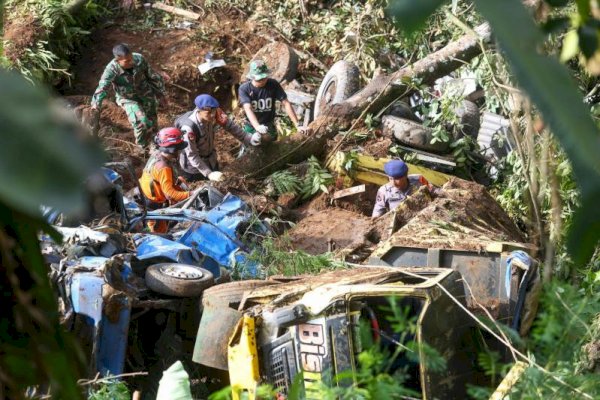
575, 316
179, 86
360, 117
240, 42
83, 382
498, 337
485, 310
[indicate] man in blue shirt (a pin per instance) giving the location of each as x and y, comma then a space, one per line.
400, 186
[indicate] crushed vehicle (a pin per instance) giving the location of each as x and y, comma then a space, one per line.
300, 334
132, 297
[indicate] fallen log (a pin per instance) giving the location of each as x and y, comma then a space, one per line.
380, 92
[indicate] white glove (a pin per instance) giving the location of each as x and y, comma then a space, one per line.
215, 176
255, 139
305, 130
262, 129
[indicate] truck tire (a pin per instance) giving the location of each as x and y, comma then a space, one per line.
340, 82
281, 59
468, 112
401, 109
179, 280
412, 134
232, 292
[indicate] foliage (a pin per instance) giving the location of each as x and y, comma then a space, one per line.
55, 37
54, 171
356, 30
551, 88
112, 390
350, 162
583, 22
378, 374
567, 320
275, 258
284, 182
316, 178
34, 348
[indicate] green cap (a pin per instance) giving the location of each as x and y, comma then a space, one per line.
258, 70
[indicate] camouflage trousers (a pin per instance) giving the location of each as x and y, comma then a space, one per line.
142, 117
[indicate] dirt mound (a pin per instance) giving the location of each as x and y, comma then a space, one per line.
20, 34
377, 147
329, 230
464, 216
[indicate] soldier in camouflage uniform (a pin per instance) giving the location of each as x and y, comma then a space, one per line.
137, 88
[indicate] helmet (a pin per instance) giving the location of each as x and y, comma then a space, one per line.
205, 101
395, 168
170, 140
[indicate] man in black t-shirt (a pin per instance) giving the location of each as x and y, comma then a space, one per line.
258, 96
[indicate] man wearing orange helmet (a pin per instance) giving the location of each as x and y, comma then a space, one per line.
157, 183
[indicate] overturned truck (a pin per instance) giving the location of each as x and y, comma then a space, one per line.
455, 257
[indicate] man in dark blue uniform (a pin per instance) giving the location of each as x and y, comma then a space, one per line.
400, 186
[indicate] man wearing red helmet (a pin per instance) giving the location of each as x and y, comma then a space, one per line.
199, 126
157, 183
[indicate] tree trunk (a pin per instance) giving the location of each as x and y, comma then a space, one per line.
380, 92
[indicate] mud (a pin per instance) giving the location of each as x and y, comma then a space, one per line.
378, 147
20, 34
463, 216
330, 230
175, 54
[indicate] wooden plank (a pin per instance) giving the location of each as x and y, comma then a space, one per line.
348, 192
177, 11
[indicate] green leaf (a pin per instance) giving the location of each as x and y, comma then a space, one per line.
588, 40
554, 92
555, 25
41, 159
570, 46
410, 15
557, 3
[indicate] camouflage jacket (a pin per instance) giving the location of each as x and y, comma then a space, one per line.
136, 84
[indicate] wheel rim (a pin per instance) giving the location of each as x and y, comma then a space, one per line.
181, 271
329, 93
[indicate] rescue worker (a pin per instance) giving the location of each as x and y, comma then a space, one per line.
258, 96
199, 160
400, 186
158, 184
137, 88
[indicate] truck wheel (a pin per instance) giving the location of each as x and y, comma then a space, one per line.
180, 280
468, 112
232, 292
411, 134
401, 109
340, 82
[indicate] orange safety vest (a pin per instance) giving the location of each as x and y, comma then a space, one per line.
157, 182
